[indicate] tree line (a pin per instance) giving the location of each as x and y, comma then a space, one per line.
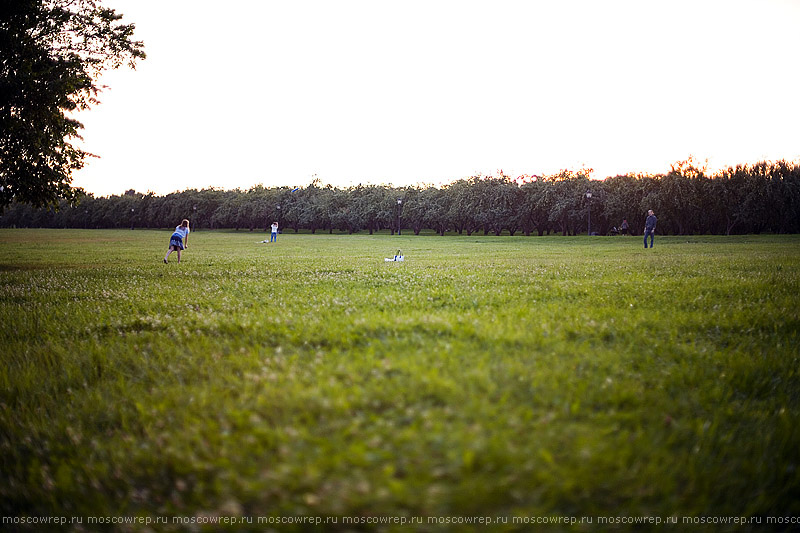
762, 197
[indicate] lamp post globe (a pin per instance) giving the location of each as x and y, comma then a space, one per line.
399, 206
589, 201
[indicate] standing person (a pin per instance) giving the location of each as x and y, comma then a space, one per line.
179, 240
624, 228
273, 237
650, 227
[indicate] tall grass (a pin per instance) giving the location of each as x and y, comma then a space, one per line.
490, 376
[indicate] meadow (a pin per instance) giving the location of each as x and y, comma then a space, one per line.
502, 377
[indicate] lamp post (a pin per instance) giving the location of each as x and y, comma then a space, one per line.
589, 200
132, 210
194, 215
399, 206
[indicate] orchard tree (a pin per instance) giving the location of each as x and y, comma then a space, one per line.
463, 195
678, 197
437, 203
783, 187
51, 55
367, 200
412, 209
566, 199
726, 194
503, 205
623, 198
537, 202
311, 208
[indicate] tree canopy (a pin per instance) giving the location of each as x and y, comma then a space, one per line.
764, 197
51, 55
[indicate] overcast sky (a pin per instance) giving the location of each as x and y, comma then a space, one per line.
278, 92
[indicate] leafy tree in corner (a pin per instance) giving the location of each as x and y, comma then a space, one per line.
51, 55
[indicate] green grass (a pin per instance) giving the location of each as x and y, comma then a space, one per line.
484, 376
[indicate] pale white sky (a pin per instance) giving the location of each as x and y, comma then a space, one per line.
245, 92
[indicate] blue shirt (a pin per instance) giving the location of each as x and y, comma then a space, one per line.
183, 232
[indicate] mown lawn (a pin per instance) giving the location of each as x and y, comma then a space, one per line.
483, 376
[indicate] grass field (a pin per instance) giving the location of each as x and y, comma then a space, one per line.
503, 377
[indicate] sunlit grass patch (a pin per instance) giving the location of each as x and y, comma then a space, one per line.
483, 375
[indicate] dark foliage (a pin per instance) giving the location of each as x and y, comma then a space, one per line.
764, 197
51, 53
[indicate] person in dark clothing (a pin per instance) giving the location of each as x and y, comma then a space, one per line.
650, 227
624, 229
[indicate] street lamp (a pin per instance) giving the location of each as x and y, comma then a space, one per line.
399, 206
132, 210
589, 200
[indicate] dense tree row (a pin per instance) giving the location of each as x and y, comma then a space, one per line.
764, 197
